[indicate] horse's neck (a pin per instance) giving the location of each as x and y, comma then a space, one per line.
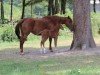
53, 19
61, 20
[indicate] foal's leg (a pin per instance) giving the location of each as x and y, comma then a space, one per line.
44, 38
55, 41
50, 42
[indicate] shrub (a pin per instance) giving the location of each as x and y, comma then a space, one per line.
8, 34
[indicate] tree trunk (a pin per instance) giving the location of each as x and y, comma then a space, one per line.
23, 9
11, 10
82, 36
51, 9
56, 6
2, 12
63, 6
94, 6
31, 10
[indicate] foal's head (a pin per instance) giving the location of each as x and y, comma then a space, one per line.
68, 22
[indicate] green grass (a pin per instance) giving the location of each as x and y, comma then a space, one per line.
34, 42
74, 65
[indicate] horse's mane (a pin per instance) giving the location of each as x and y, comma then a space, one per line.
54, 19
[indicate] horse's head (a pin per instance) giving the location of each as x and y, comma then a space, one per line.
69, 23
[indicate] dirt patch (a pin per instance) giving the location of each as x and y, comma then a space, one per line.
35, 54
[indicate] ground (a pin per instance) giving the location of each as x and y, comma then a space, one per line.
35, 54
59, 62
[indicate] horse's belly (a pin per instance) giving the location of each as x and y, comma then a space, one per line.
36, 32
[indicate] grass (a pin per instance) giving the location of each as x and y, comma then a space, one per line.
77, 65
34, 41
61, 65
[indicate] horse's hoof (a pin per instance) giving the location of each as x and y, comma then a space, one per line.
21, 53
55, 49
51, 51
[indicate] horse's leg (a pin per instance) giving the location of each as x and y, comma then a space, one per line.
21, 45
50, 42
22, 40
42, 47
55, 42
44, 38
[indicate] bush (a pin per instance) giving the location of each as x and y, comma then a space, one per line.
95, 21
8, 34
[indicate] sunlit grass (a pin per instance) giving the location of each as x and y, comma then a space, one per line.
35, 43
74, 65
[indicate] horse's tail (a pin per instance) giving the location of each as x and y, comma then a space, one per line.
17, 28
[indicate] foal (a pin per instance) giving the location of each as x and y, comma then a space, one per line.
45, 34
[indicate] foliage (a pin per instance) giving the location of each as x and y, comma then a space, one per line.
95, 21
38, 10
16, 11
8, 33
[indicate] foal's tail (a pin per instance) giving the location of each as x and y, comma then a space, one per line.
17, 28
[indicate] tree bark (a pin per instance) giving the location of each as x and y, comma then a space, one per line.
56, 6
82, 36
63, 6
11, 15
51, 9
31, 10
94, 6
23, 9
2, 12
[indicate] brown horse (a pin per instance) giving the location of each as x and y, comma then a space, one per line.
47, 27
47, 33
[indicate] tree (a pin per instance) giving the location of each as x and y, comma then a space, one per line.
63, 6
31, 9
94, 6
82, 37
51, 7
56, 6
11, 1
23, 9
2, 11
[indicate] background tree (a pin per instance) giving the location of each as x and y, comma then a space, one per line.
82, 38
31, 9
63, 6
50, 7
94, 6
11, 15
23, 9
57, 9
54, 7
2, 11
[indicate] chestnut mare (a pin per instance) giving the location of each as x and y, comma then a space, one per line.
47, 27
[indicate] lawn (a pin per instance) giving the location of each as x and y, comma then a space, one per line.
71, 65
77, 63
